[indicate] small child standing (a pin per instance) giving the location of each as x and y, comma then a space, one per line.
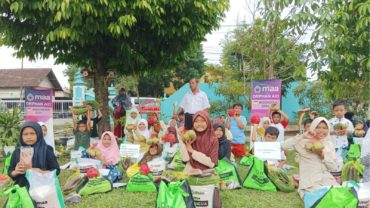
236, 124
81, 131
306, 124
93, 122
48, 140
340, 140
180, 121
276, 118
223, 119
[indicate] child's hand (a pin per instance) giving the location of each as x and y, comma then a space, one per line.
273, 105
188, 145
19, 169
181, 131
255, 125
90, 108
308, 135
93, 145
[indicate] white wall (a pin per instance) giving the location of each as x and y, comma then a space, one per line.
46, 83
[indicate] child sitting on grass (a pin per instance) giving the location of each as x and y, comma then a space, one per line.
43, 158
224, 145
236, 124
271, 135
110, 155
132, 117
154, 152
139, 135
81, 131
314, 166
255, 136
275, 118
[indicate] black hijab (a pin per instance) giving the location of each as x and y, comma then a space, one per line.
359, 119
349, 116
122, 100
39, 148
224, 148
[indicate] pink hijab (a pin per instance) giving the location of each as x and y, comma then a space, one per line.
112, 154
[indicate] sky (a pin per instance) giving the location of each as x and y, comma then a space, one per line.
211, 47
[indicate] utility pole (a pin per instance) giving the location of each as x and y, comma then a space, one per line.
21, 94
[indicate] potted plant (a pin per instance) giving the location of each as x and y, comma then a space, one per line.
10, 125
66, 133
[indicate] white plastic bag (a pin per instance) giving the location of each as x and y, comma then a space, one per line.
75, 154
157, 166
45, 190
364, 195
203, 195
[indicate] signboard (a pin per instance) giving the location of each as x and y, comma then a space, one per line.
267, 150
8, 95
130, 150
39, 108
264, 93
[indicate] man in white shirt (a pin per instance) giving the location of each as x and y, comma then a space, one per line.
193, 101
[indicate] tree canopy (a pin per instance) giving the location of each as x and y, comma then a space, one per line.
137, 35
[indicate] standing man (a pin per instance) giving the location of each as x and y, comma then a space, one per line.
193, 101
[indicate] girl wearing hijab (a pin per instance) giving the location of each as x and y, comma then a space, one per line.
360, 124
314, 166
48, 140
164, 132
43, 158
121, 103
172, 135
140, 135
365, 158
154, 152
132, 117
255, 136
201, 153
224, 145
155, 126
110, 155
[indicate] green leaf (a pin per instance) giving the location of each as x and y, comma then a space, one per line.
58, 17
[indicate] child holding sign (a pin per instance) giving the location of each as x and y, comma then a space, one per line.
314, 164
271, 135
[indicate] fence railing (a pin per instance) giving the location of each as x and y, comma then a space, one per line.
61, 112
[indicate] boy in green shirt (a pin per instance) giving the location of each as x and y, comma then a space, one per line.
81, 131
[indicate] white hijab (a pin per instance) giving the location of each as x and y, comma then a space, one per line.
46, 138
130, 120
260, 138
365, 149
145, 132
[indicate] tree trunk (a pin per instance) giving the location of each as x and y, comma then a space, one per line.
101, 91
264, 54
137, 90
273, 45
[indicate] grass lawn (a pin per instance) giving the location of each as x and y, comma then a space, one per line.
235, 198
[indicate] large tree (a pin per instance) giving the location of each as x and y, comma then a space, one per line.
341, 42
153, 85
128, 36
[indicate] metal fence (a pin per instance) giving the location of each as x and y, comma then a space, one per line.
61, 112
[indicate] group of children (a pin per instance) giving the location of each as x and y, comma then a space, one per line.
212, 143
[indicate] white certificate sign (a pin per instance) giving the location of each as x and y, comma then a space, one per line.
267, 150
130, 150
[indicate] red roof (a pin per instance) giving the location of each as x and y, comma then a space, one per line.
31, 77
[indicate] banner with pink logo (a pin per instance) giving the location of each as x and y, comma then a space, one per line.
39, 108
264, 93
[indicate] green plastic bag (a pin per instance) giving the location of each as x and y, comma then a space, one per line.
345, 197
7, 162
353, 153
228, 174
141, 183
177, 162
360, 167
175, 195
247, 160
18, 198
94, 186
257, 177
